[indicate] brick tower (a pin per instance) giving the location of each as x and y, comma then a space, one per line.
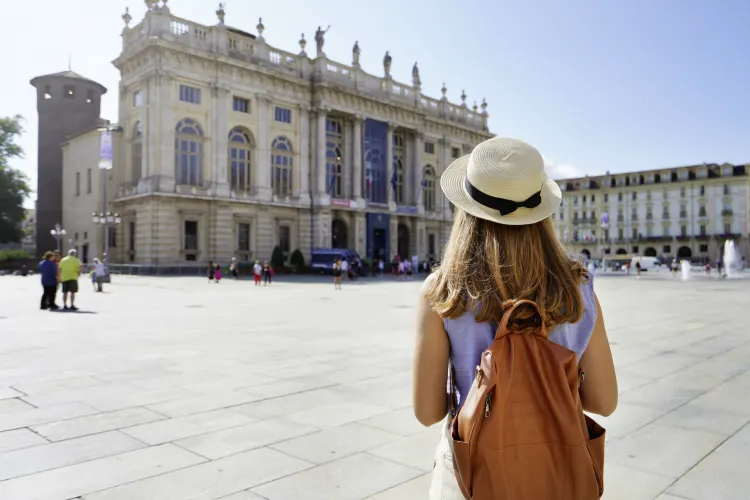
67, 104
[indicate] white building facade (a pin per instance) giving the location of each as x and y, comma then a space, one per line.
230, 147
685, 212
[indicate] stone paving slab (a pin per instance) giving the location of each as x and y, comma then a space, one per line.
297, 391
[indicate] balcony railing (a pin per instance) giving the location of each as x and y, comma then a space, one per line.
727, 212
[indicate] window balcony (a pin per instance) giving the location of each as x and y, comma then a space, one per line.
683, 215
727, 212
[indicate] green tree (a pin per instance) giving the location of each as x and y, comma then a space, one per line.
14, 187
277, 258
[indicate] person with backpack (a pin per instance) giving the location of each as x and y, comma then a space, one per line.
512, 327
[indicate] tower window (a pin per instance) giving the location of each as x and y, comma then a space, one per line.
69, 92
89, 96
47, 92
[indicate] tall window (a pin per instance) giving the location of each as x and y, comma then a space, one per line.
112, 236
703, 190
190, 94
281, 163
726, 188
703, 230
131, 241
431, 244
137, 153
399, 154
240, 152
138, 98
683, 231
374, 176
429, 148
284, 239
334, 158
243, 237
188, 153
190, 243
428, 189
78, 183
88, 181
727, 228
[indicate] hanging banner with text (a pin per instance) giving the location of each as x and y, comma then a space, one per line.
105, 150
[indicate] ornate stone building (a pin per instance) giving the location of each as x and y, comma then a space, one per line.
229, 147
683, 212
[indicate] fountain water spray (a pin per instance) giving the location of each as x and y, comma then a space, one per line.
730, 258
685, 268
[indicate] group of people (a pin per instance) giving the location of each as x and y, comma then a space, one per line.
57, 272
261, 272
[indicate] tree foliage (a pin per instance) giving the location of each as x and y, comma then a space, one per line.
277, 258
14, 187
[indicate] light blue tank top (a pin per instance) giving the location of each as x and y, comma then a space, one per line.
469, 339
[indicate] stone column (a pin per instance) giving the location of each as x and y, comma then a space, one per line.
304, 156
164, 136
446, 160
417, 171
219, 142
360, 227
262, 172
320, 163
357, 160
389, 167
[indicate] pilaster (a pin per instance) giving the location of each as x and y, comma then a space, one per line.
304, 156
389, 169
321, 196
263, 150
360, 227
219, 141
164, 133
357, 160
394, 236
417, 174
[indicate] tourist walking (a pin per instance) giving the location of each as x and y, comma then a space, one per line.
211, 271
267, 273
217, 273
257, 272
98, 274
70, 270
337, 274
400, 269
48, 273
638, 268
409, 269
233, 268
345, 270
381, 267
516, 321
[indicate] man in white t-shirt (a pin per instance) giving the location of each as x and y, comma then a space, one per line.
257, 271
344, 267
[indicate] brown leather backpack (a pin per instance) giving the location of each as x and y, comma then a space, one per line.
521, 433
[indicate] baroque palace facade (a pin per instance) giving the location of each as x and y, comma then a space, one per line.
684, 212
227, 147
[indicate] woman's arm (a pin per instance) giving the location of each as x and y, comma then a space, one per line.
430, 364
599, 388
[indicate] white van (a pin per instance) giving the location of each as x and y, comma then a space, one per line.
646, 263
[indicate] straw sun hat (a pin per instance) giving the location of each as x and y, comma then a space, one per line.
503, 181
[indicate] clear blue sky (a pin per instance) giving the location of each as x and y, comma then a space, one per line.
596, 85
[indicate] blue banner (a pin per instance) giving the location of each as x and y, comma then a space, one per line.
105, 150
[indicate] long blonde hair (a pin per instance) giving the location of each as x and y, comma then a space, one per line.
486, 265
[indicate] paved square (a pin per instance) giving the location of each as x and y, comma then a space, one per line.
173, 388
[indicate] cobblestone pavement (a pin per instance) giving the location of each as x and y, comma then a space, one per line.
173, 388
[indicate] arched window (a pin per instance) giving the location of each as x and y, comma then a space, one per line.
428, 188
282, 155
399, 154
136, 149
188, 153
334, 158
240, 152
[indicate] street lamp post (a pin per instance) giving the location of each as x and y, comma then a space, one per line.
58, 234
105, 165
106, 220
